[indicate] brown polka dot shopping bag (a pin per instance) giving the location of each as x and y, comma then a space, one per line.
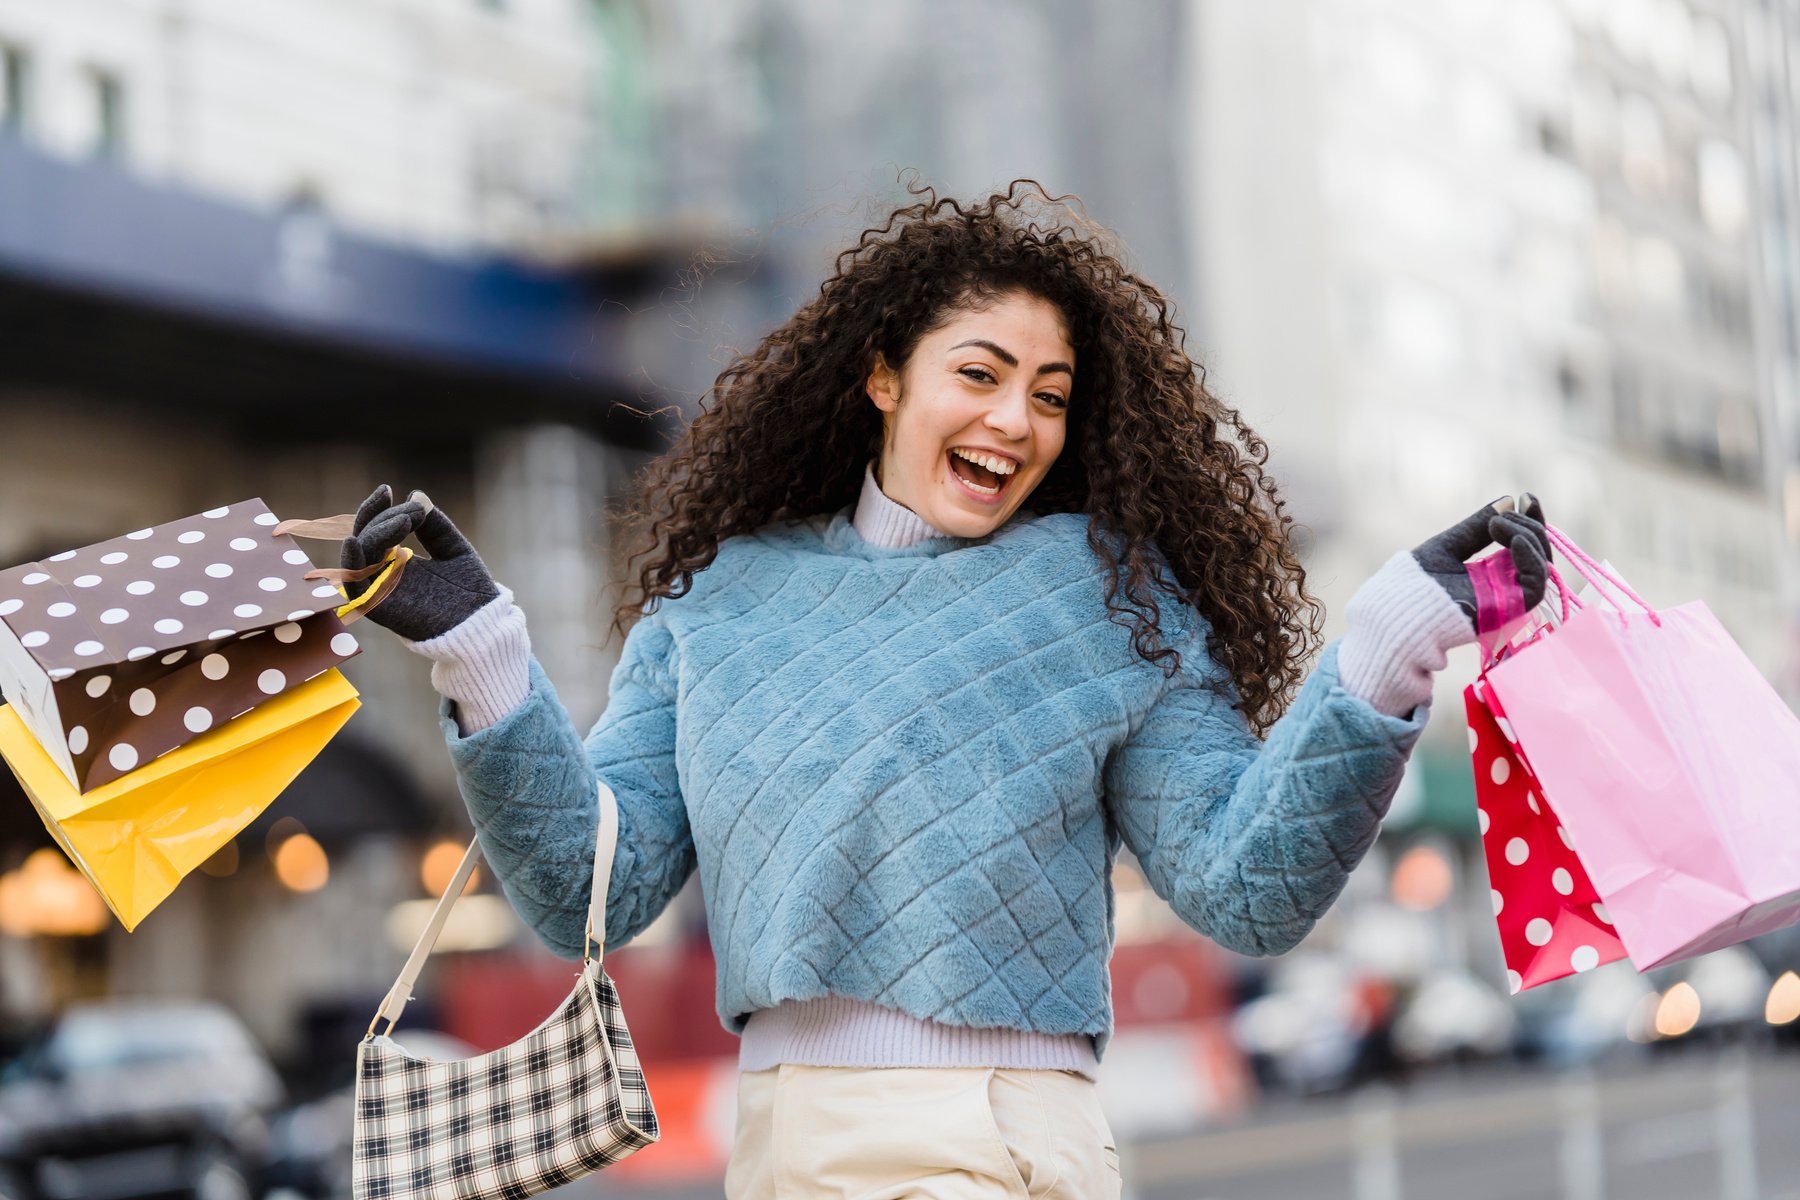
1635, 774
163, 687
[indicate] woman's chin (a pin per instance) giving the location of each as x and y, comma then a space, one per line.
965, 524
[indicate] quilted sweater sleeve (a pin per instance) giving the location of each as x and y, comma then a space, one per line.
1251, 841
529, 781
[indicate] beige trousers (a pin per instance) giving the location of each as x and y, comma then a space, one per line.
920, 1133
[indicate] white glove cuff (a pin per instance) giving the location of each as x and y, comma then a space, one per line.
1402, 625
483, 664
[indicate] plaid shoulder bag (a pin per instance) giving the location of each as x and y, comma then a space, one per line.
565, 1100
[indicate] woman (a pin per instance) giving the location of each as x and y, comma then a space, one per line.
961, 584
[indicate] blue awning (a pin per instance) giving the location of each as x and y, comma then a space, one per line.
92, 227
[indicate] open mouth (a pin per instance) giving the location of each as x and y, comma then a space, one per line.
976, 480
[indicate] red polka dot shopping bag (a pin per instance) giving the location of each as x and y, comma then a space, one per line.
1551, 920
163, 687
1636, 777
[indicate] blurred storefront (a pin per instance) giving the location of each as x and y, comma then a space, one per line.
167, 351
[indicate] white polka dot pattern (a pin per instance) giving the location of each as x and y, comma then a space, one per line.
126, 656
1546, 910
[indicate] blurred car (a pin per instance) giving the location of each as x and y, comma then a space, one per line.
310, 1144
12, 1169
1454, 1017
1321, 1025
138, 1098
1718, 995
1583, 1018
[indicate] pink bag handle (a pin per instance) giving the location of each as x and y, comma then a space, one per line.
1593, 572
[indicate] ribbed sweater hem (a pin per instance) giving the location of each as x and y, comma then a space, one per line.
833, 1031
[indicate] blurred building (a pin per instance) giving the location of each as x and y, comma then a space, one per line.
1461, 251
266, 251
1450, 252
1771, 89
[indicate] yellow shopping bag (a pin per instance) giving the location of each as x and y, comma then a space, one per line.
137, 836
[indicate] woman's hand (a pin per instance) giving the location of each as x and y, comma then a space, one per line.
1521, 533
435, 594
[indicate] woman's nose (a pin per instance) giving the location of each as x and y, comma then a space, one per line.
1010, 415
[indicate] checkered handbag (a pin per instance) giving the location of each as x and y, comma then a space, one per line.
563, 1101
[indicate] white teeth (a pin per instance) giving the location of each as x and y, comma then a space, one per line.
999, 466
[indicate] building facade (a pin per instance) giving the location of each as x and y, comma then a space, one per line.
292, 253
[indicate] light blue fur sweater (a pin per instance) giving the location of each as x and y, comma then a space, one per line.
904, 773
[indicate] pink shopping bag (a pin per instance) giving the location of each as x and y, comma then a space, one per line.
1547, 912
1669, 760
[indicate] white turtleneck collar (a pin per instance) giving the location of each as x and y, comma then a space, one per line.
888, 523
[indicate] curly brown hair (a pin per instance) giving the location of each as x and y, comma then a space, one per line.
1148, 454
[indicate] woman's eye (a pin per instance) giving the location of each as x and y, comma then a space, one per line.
1054, 399
979, 373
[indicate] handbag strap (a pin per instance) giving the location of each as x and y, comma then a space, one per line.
605, 842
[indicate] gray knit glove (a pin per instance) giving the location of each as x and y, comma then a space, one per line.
1522, 533
435, 594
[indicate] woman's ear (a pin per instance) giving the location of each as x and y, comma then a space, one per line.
883, 385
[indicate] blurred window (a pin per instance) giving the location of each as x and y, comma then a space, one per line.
103, 1041
1585, 13
1643, 153
1418, 328
1403, 70
1537, 35
1483, 115
107, 97
1418, 200
1595, 119
1657, 267
620, 172
1724, 193
1671, 41
1629, 23
15, 77
1710, 64
1613, 275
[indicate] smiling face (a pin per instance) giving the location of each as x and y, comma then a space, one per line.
993, 382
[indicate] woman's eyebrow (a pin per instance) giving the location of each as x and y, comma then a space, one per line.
1007, 357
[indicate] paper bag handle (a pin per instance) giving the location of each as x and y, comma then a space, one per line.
1594, 573
387, 572
606, 838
